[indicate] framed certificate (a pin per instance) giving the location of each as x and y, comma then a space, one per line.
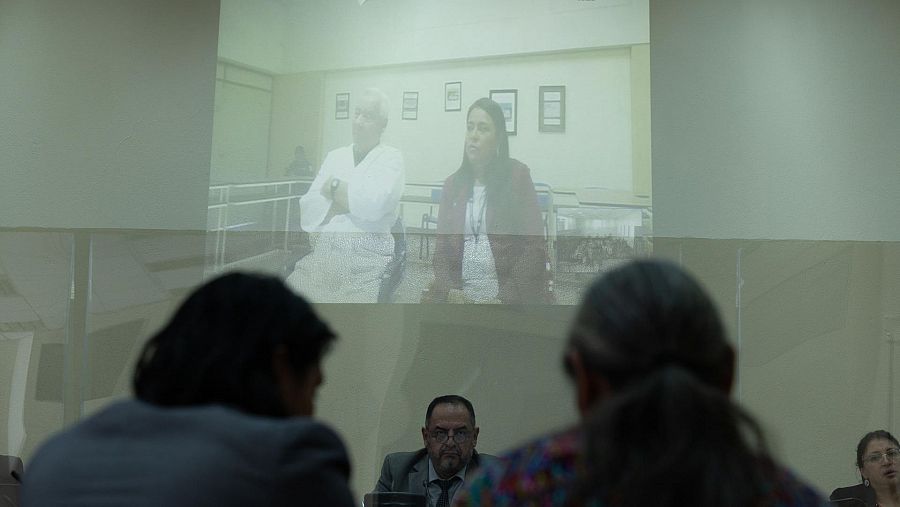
410, 106
342, 106
552, 109
508, 100
453, 96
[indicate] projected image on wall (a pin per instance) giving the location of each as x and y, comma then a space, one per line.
436, 161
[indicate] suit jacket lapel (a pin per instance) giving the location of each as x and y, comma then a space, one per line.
473, 466
418, 476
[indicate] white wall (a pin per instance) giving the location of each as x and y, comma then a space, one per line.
594, 151
776, 119
106, 112
810, 320
241, 125
297, 118
339, 34
254, 33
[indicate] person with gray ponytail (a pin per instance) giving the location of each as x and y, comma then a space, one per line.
651, 368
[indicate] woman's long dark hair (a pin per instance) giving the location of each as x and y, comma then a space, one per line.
668, 435
496, 175
219, 346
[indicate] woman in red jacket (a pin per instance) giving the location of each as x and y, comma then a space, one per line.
490, 244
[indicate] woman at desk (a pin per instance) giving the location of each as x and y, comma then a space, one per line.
490, 238
878, 461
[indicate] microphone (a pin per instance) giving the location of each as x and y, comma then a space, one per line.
848, 502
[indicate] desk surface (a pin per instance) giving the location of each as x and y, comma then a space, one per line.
608, 197
424, 199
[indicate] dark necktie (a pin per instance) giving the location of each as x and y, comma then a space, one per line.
444, 499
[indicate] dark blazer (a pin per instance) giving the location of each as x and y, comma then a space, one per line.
859, 492
407, 472
137, 454
515, 232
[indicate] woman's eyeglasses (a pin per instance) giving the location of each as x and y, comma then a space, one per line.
892, 455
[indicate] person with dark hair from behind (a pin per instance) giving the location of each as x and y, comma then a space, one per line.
222, 414
878, 462
490, 245
447, 461
300, 166
651, 368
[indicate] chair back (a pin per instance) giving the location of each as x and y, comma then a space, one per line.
853, 496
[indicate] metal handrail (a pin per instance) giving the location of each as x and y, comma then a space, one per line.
224, 203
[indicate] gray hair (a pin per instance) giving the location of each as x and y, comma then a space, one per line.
380, 99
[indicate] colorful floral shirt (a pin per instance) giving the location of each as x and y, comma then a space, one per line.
544, 473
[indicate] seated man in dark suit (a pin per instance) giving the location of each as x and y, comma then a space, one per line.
446, 462
221, 416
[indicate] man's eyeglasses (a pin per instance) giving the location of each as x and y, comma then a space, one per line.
441, 436
892, 455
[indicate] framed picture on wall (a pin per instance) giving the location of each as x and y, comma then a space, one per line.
508, 100
342, 106
453, 96
410, 106
552, 109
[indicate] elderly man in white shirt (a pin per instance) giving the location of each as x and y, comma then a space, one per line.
349, 209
